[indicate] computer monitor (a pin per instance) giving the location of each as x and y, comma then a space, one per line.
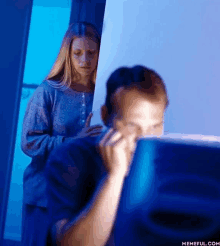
172, 193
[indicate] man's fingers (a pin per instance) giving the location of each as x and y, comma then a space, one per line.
114, 136
101, 145
110, 132
116, 142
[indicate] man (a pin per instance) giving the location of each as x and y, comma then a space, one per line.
86, 176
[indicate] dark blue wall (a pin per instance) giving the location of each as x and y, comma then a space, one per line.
15, 21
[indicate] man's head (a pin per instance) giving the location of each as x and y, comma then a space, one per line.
136, 98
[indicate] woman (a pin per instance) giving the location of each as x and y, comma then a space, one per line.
59, 111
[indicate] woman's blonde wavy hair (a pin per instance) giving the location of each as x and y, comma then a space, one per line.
63, 72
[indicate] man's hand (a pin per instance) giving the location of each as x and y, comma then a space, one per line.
117, 148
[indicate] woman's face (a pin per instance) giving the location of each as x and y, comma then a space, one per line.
84, 56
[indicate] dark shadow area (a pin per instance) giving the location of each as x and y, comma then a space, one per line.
11, 243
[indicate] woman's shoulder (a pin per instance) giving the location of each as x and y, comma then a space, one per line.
48, 86
53, 87
44, 92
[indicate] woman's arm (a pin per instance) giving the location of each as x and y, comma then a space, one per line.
37, 126
37, 139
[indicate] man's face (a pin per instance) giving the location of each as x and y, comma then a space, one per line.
136, 116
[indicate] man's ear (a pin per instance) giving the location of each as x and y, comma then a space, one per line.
104, 114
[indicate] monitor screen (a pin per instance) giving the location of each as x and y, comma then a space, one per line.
172, 192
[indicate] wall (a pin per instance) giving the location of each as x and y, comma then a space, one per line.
179, 39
